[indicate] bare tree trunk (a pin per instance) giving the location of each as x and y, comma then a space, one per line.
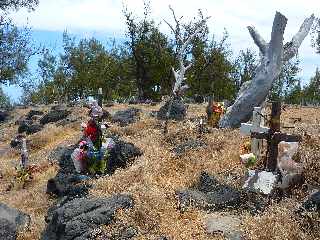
254, 93
180, 86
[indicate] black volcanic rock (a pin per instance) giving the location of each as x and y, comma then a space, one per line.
76, 219
3, 116
33, 113
209, 194
12, 220
54, 116
178, 110
126, 117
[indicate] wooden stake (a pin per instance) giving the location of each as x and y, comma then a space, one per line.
24, 154
100, 97
272, 143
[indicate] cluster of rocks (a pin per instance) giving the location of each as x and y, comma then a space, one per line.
77, 216
209, 194
312, 203
55, 114
119, 231
11, 222
216, 198
35, 120
139, 101
126, 117
29, 127
80, 217
190, 144
66, 181
196, 99
4, 116
178, 110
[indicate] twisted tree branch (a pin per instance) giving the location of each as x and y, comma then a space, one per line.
291, 48
258, 40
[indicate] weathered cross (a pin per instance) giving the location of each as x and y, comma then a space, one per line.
274, 137
247, 129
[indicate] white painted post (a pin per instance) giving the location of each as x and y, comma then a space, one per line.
246, 129
256, 144
24, 154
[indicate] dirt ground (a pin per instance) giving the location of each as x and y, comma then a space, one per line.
154, 178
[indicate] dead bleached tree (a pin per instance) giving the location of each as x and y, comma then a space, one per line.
273, 55
182, 43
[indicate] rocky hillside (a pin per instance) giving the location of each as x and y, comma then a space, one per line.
183, 185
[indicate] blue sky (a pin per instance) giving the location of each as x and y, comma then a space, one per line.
103, 19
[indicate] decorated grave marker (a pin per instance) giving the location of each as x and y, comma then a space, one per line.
209, 107
274, 136
265, 181
214, 111
201, 128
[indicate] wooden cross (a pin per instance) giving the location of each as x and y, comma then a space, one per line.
247, 129
274, 137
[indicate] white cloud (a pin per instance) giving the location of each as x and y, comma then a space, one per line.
235, 15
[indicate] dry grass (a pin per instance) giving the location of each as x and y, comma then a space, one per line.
154, 177
277, 222
32, 200
158, 174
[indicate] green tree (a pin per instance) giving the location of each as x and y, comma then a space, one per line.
6, 5
87, 66
152, 55
286, 88
4, 99
15, 47
287, 81
47, 66
81, 70
295, 94
311, 92
246, 64
199, 54
44, 88
15, 51
212, 68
